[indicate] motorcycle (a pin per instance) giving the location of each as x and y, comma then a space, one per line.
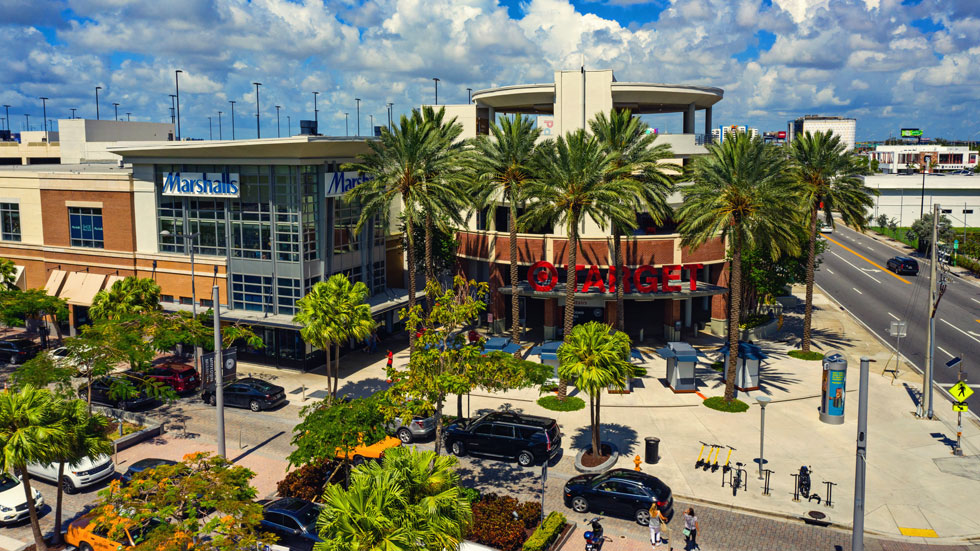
593, 538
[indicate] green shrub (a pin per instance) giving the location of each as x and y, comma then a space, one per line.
471, 494
493, 523
969, 264
719, 403
754, 320
718, 366
571, 403
547, 533
308, 481
548, 387
810, 356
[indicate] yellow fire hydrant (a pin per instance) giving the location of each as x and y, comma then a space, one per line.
637, 460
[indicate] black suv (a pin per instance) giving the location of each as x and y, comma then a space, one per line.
619, 492
293, 520
903, 265
527, 438
18, 351
127, 395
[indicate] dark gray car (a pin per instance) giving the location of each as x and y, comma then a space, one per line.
293, 520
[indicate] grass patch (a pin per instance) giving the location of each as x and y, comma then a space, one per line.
719, 403
112, 430
718, 366
810, 356
571, 403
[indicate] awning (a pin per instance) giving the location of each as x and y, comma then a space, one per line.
112, 279
19, 278
55, 280
81, 287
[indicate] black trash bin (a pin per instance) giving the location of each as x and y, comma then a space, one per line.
653, 449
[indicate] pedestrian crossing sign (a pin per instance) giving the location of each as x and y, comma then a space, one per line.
961, 391
959, 406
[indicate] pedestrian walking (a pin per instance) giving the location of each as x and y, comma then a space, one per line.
657, 522
391, 358
691, 528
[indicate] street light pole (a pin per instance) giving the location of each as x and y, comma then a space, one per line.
316, 116
346, 126
173, 110
44, 113
232, 102
861, 461
436, 81
115, 107
390, 105
6, 109
763, 402
220, 137
210, 130
922, 203
219, 390
358, 100
289, 125
278, 128
27, 121
130, 119
97, 88
73, 113
177, 90
371, 129
258, 130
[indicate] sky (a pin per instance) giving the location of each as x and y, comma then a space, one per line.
891, 64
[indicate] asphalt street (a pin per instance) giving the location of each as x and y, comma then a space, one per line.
854, 273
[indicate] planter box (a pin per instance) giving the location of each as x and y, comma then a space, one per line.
150, 429
760, 332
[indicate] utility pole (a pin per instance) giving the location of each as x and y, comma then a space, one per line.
232, 102
278, 129
219, 126
173, 110
219, 365
258, 129
861, 462
177, 90
358, 100
922, 201
925, 405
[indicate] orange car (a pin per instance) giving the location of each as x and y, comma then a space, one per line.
83, 534
374, 451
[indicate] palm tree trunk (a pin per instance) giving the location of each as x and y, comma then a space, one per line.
57, 507
810, 260
515, 304
439, 425
618, 261
430, 271
735, 292
410, 255
32, 511
592, 420
570, 284
336, 372
596, 445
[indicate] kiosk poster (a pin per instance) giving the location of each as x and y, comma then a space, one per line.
835, 391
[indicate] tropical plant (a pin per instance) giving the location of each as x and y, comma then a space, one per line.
8, 274
127, 297
594, 357
412, 500
21, 308
921, 231
333, 313
640, 171
829, 179
504, 166
30, 430
578, 180
743, 194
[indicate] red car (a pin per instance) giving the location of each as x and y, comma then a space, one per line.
178, 376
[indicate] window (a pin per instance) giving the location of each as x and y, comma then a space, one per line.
286, 205
251, 292
485, 429
206, 217
186, 300
309, 211
507, 431
288, 292
166, 298
346, 214
379, 277
251, 216
206, 303
10, 221
85, 226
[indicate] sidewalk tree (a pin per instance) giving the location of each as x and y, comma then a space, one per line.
578, 180
332, 314
30, 430
203, 502
504, 166
921, 231
443, 246
764, 278
741, 193
411, 500
8, 274
829, 179
127, 297
26, 308
640, 171
43, 370
595, 357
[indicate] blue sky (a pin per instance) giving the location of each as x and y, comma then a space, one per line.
889, 63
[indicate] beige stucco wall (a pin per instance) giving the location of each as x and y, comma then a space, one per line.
24, 189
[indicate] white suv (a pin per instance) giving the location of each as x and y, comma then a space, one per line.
13, 504
90, 471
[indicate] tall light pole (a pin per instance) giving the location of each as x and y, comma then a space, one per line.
316, 116
763, 402
278, 129
232, 102
346, 126
935, 294
27, 121
358, 100
44, 113
220, 137
173, 110
390, 105
210, 130
115, 107
6, 109
219, 390
73, 113
436, 81
129, 117
371, 130
289, 125
97, 88
258, 129
189, 240
177, 90
922, 202
861, 459
469, 95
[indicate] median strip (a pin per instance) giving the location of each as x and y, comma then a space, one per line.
866, 259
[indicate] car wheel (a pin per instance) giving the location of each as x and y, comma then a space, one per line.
84, 546
525, 458
642, 517
458, 448
254, 406
67, 485
357, 461
580, 504
13, 360
212, 400
404, 435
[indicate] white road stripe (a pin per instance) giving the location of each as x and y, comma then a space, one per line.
855, 267
856, 290
829, 271
960, 330
893, 316
943, 350
973, 299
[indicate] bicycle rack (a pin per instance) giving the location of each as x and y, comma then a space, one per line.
830, 488
765, 489
796, 486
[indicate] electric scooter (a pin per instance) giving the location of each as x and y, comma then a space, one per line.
594, 538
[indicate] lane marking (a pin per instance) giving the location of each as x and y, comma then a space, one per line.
860, 271
960, 330
829, 271
977, 301
873, 263
856, 290
944, 351
894, 316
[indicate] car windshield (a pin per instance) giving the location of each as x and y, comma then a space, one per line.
187, 374
307, 517
7, 482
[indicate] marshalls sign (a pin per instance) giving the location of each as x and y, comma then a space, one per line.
201, 184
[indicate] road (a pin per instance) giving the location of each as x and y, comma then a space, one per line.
854, 274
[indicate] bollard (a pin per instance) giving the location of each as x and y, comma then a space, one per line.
304, 392
765, 489
830, 489
796, 486
637, 461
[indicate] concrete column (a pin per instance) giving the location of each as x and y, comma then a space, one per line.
707, 125
689, 119
687, 312
499, 303
719, 303
672, 314
550, 318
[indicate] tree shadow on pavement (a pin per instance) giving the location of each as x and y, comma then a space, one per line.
771, 378
625, 438
821, 339
363, 388
488, 475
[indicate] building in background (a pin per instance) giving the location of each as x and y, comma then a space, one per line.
775, 138
902, 197
844, 127
724, 132
898, 159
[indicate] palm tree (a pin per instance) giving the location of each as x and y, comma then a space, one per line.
595, 357
504, 167
578, 180
646, 179
84, 436
30, 431
333, 313
742, 192
8, 273
127, 297
830, 179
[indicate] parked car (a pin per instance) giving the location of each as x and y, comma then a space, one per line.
294, 521
18, 351
13, 503
88, 472
254, 394
102, 393
903, 265
178, 376
84, 535
619, 492
144, 465
528, 438
418, 427
375, 451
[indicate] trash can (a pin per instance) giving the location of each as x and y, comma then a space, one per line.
653, 449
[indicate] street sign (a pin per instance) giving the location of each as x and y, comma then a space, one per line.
959, 406
956, 243
229, 357
961, 391
898, 328
953, 363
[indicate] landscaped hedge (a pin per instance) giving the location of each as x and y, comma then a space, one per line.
494, 523
308, 481
547, 533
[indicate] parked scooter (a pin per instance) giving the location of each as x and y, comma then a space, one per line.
594, 538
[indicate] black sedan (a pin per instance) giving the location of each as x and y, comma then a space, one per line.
254, 394
293, 520
144, 465
18, 351
117, 392
903, 265
619, 492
